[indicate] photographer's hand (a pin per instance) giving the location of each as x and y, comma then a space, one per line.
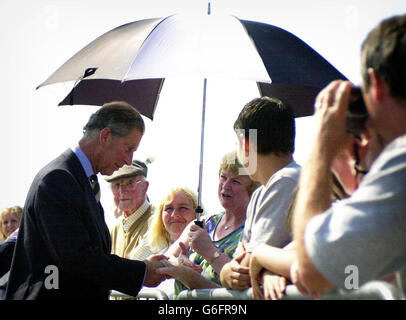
331, 108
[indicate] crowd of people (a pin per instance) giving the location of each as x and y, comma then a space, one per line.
281, 223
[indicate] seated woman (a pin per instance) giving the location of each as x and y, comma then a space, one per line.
175, 211
213, 246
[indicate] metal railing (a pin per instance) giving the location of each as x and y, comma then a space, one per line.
144, 294
374, 290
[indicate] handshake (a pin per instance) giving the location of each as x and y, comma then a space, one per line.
153, 263
160, 267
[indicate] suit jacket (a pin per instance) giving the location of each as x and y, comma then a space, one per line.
6, 254
63, 246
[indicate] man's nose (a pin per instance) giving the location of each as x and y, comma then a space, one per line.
129, 159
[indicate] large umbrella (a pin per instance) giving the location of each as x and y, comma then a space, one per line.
131, 62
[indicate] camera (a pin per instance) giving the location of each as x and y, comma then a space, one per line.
357, 115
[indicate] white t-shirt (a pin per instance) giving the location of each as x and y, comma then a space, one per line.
269, 204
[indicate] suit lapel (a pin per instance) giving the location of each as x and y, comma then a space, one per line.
96, 210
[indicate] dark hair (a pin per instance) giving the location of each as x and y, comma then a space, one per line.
384, 50
119, 116
274, 122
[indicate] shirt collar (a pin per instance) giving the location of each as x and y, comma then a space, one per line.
84, 161
128, 222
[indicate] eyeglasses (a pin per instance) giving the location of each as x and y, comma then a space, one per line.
126, 184
357, 167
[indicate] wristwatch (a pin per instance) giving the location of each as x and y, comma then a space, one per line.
215, 256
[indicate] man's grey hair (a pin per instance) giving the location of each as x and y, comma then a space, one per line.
119, 116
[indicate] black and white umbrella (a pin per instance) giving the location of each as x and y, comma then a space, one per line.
131, 62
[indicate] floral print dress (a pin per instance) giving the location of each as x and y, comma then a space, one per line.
227, 245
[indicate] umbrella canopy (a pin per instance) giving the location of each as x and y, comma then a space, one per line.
131, 62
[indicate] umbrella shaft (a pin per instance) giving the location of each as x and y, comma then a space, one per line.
199, 198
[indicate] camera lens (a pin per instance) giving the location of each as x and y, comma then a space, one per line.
357, 115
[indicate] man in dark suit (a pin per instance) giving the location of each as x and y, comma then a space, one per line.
63, 246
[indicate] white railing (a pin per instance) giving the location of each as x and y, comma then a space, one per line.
374, 290
144, 294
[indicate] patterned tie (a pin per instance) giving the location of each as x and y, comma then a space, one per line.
95, 187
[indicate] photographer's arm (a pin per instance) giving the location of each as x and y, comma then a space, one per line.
313, 195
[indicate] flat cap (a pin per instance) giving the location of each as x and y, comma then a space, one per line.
127, 171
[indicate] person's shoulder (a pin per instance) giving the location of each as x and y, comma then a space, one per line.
292, 170
215, 216
392, 159
58, 166
288, 174
397, 148
213, 219
149, 212
118, 222
257, 192
399, 142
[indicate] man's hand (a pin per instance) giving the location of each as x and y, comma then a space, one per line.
274, 286
183, 259
255, 269
189, 277
234, 276
175, 270
330, 118
152, 278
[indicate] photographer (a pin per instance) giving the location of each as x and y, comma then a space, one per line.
367, 231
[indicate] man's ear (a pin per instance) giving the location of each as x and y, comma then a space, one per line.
105, 136
377, 86
146, 185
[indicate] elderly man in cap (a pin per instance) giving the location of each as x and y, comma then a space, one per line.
129, 187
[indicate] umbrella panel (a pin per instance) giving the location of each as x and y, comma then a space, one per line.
289, 59
300, 98
141, 94
144, 94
